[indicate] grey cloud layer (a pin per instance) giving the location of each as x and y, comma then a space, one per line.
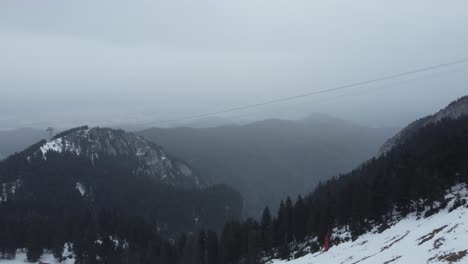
160, 59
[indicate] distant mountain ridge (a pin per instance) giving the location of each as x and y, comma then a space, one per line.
15, 140
454, 110
269, 159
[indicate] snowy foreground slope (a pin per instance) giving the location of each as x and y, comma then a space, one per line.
441, 238
46, 258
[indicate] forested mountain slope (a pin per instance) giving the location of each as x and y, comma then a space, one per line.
454, 110
90, 184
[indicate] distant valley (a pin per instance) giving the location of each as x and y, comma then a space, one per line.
271, 159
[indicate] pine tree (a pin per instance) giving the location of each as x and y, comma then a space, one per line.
203, 247
266, 230
212, 247
299, 219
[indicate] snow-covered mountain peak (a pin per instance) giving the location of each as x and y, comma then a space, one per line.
104, 141
95, 143
454, 110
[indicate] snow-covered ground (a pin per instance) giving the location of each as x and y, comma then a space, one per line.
67, 255
46, 258
441, 238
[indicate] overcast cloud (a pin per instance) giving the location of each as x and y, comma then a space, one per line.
68, 62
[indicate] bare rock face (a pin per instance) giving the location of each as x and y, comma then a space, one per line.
454, 110
95, 143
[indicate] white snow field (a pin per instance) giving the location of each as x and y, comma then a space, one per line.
46, 258
441, 238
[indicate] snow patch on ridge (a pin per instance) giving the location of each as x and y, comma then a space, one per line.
59, 145
140, 152
8, 188
80, 187
55, 145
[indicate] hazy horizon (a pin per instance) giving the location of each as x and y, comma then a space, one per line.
116, 62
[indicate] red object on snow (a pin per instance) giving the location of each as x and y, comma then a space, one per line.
326, 243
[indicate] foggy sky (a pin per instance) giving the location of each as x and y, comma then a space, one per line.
71, 62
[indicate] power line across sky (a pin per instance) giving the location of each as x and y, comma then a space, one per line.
316, 92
